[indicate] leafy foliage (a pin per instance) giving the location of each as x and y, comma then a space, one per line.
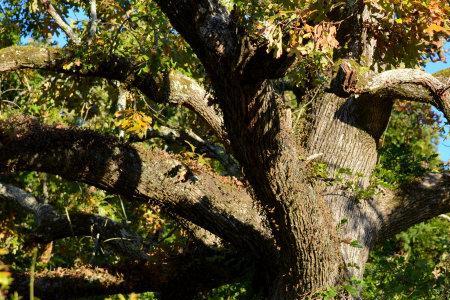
410, 144
415, 264
420, 26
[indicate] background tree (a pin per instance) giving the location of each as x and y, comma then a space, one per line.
200, 143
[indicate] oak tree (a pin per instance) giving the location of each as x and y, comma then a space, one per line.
291, 100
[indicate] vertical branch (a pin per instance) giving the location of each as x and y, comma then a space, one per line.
93, 19
368, 43
122, 102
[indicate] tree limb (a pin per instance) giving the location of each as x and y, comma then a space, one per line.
61, 23
184, 90
175, 89
190, 273
418, 201
212, 202
206, 26
405, 84
53, 226
92, 19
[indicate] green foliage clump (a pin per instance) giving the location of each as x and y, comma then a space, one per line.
413, 265
409, 147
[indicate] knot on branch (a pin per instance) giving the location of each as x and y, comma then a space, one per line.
181, 173
344, 83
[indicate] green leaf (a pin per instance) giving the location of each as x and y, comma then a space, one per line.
356, 244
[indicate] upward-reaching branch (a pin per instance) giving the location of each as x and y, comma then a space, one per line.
206, 26
92, 19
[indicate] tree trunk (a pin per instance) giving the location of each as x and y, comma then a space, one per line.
260, 134
347, 132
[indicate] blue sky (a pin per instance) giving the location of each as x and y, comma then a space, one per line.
444, 144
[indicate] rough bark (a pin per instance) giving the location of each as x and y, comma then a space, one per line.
304, 248
342, 133
424, 198
175, 88
213, 202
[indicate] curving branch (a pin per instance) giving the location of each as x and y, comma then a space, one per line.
201, 197
175, 89
52, 226
186, 91
406, 84
415, 202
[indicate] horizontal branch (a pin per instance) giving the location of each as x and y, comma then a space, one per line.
201, 197
175, 89
403, 84
415, 202
54, 226
164, 272
78, 282
174, 277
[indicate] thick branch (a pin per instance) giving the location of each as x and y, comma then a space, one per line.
78, 282
406, 84
189, 273
53, 226
426, 198
206, 26
180, 90
203, 198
